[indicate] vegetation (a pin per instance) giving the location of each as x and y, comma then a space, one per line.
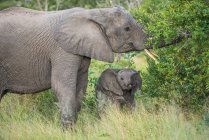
23, 120
173, 103
182, 70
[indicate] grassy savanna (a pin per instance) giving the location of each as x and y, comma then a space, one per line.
22, 120
26, 117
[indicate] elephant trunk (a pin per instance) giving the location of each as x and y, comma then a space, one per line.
173, 42
162, 44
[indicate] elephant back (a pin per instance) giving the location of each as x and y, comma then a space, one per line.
20, 10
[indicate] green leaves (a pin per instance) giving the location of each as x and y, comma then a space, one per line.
49, 5
183, 69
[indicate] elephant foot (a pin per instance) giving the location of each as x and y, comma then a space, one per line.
68, 122
69, 125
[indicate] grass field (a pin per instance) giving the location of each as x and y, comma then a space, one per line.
36, 117
20, 119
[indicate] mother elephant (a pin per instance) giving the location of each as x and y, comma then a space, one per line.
41, 50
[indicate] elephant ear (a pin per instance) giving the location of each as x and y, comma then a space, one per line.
77, 34
110, 82
137, 78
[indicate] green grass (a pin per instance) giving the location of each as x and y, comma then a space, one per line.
22, 118
36, 117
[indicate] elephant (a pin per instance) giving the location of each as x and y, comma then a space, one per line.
117, 86
42, 50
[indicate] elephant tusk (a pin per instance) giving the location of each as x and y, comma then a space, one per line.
154, 54
150, 54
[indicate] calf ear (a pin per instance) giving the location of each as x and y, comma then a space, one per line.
138, 83
111, 84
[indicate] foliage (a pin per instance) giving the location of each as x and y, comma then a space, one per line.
182, 71
48, 5
8, 3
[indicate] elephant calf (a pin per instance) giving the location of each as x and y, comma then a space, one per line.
117, 86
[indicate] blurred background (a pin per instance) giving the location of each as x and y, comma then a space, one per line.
178, 77
65, 4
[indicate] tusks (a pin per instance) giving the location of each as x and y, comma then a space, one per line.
151, 54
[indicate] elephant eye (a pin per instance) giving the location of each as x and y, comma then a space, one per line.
121, 78
127, 29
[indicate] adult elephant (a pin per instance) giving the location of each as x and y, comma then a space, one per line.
41, 50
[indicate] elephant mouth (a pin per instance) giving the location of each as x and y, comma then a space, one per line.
131, 45
127, 47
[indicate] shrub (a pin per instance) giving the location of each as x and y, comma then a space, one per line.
182, 71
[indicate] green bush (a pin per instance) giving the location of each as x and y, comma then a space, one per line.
182, 71
51, 5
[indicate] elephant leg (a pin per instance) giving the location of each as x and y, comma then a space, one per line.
130, 102
64, 76
102, 102
82, 81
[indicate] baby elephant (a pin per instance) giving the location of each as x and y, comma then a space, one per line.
117, 86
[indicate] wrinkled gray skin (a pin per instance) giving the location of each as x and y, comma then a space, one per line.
117, 86
41, 50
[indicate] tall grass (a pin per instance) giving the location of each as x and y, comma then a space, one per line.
23, 119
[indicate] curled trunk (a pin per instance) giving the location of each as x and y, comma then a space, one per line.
173, 42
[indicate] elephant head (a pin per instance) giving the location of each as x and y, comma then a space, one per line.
97, 33
128, 79
119, 80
